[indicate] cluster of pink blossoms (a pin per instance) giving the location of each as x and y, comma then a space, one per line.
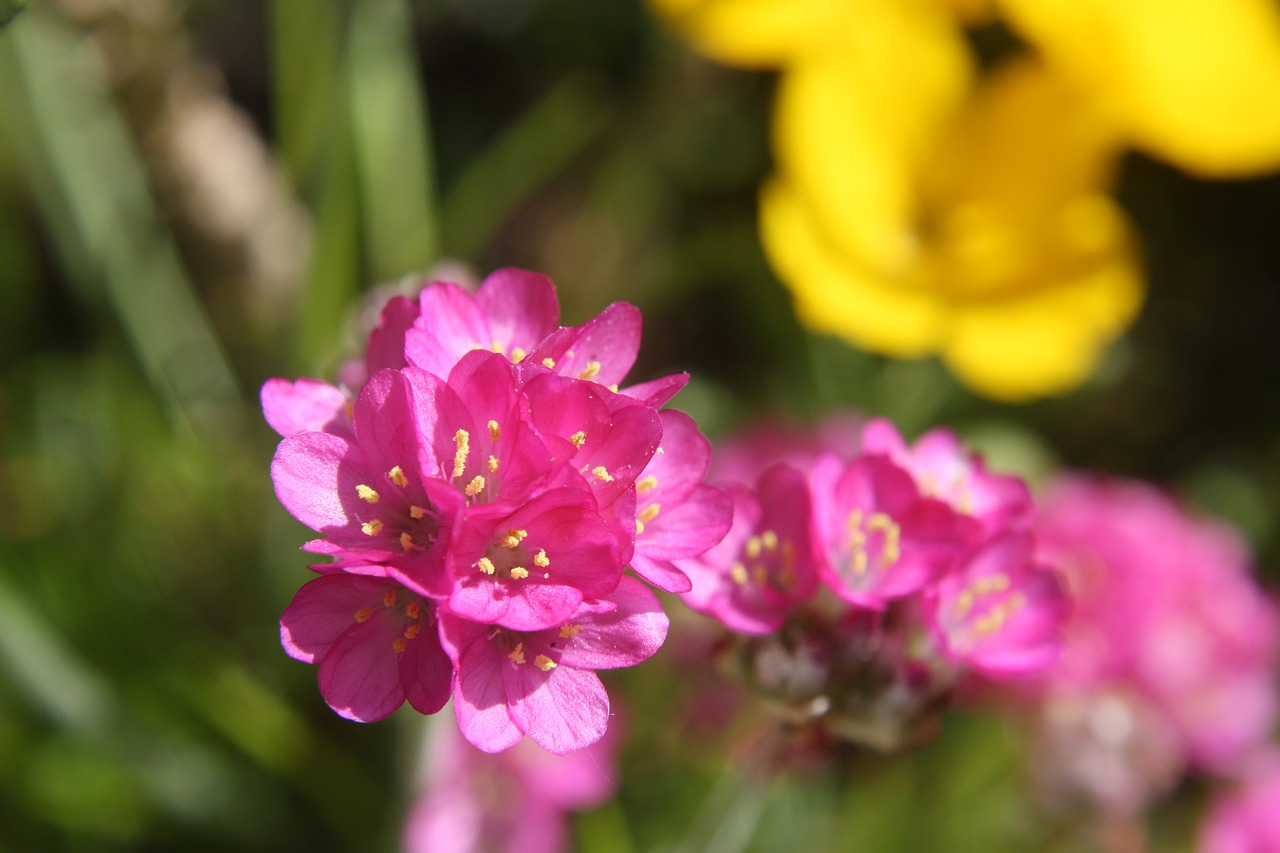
875, 575
1169, 658
481, 486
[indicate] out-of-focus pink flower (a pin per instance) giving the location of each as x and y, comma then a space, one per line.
766, 564
375, 641
542, 683
999, 612
1165, 614
1247, 818
881, 539
513, 802
740, 458
944, 469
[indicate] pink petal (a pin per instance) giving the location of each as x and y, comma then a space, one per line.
360, 674
307, 405
628, 635
426, 672
386, 342
521, 308
663, 574
315, 476
657, 392
323, 609
479, 697
689, 528
562, 710
450, 325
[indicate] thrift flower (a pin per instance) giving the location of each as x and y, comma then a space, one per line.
1246, 819
542, 683
375, 642
514, 802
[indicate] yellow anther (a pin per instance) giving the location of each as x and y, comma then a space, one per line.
770, 541
493, 465
859, 562
602, 474
569, 631
389, 598
549, 363
739, 574
964, 602
541, 560
412, 631
475, 487
461, 441
398, 645
517, 355
495, 431
495, 345
519, 573
363, 614
649, 513
485, 565
613, 387
416, 511
578, 439
406, 542
413, 609
995, 582
512, 538
367, 494
372, 528
591, 371
544, 663
517, 654
396, 475
644, 485
753, 547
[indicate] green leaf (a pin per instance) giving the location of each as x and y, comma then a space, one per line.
10, 8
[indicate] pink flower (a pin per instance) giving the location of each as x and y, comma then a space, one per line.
513, 802
1166, 615
764, 568
881, 539
542, 683
511, 313
1247, 819
375, 641
945, 470
999, 612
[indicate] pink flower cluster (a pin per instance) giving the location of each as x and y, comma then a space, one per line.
481, 494
1170, 653
881, 571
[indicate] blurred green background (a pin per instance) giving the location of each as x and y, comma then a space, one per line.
197, 196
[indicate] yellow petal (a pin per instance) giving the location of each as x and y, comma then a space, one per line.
1047, 341
1196, 82
837, 294
758, 33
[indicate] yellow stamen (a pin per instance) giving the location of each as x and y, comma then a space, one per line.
486, 565
416, 511
475, 487
461, 441
495, 431
650, 513
569, 631
639, 527
549, 363
367, 494
396, 475
602, 474
398, 645
541, 560
389, 598
363, 614
513, 538
519, 573
517, 654
739, 574
495, 345
770, 541
578, 439
544, 663
412, 631
372, 528
650, 482
752, 548
517, 355
406, 541
413, 609
592, 370
493, 464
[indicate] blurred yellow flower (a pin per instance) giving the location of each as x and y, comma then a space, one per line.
921, 206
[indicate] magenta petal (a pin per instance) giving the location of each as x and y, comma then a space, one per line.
662, 574
307, 405
521, 307
479, 698
689, 528
360, 675
312, 471
323, 609
627, 635
562, 710
450, 325
605, 347
657, 392
386, 342
426, 671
